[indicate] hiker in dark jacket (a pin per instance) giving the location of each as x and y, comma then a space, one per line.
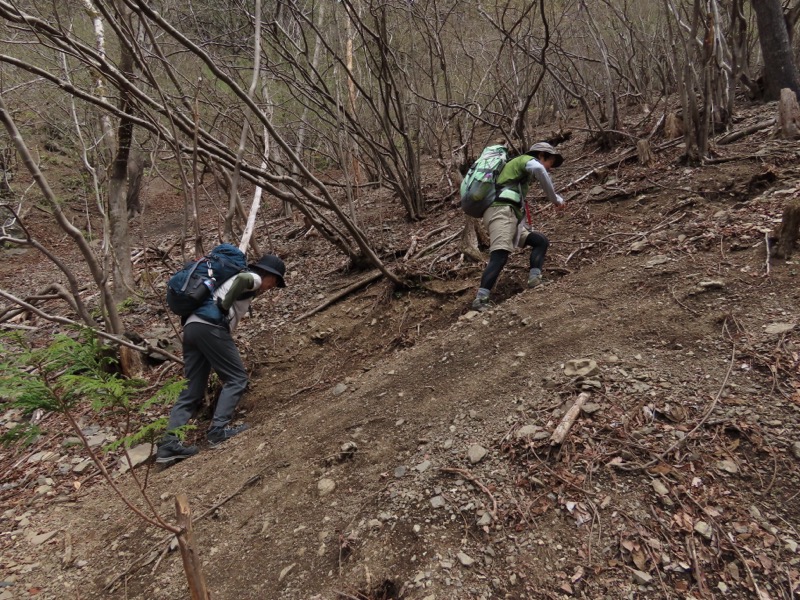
504, 217
207, 346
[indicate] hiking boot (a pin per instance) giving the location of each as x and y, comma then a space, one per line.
534, 280
217, 435
481, 304
172, 451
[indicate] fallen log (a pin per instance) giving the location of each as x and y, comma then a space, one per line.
731, 137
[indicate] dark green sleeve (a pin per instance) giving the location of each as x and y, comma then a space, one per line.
242, 284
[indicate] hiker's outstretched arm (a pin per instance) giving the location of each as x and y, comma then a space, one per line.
240, 284
540, 173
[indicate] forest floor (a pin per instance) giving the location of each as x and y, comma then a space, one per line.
401, 443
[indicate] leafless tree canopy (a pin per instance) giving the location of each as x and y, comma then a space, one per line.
310, 101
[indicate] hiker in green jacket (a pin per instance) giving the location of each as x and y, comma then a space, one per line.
504, 217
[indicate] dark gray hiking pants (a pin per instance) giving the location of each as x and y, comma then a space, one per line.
207, 347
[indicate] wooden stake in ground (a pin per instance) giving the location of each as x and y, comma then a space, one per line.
572, 414
644, 152
785, 234
191, 560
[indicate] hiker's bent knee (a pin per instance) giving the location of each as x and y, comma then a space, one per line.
537, 240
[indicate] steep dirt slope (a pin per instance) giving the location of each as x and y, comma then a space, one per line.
432, 423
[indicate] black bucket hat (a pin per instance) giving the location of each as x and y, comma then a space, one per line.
269, 263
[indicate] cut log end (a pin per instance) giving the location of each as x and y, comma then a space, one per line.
785, 234
644, 152
787, 125
673, 126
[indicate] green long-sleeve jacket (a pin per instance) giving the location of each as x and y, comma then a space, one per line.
515, 179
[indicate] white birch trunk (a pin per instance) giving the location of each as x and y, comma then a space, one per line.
234, 195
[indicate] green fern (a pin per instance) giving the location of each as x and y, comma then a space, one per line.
24, 433
72, 372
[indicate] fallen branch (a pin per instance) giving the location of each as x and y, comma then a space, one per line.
436, 244
458, 289
42, 296
578, 249
252, 481
309, 387
148, 349
697, 567
628, 155
433, 232
731, 137
681, 304
467, 475
569, 419
724, 159
374, 276
412, 247
17, 326
766, 246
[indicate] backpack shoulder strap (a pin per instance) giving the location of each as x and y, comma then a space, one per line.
519, 179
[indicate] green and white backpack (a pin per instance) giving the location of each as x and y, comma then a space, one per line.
479, 188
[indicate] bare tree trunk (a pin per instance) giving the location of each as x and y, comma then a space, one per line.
122, 267
137, 163
612, 111
691, 113
708, 98
106, 126
523, 103
352, 147
114, 322
740, 58
780, 70
190, 199
250, 225
233, 200
791, 16
303, 125
703, 87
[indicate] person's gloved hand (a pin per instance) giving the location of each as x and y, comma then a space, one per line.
220, 307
